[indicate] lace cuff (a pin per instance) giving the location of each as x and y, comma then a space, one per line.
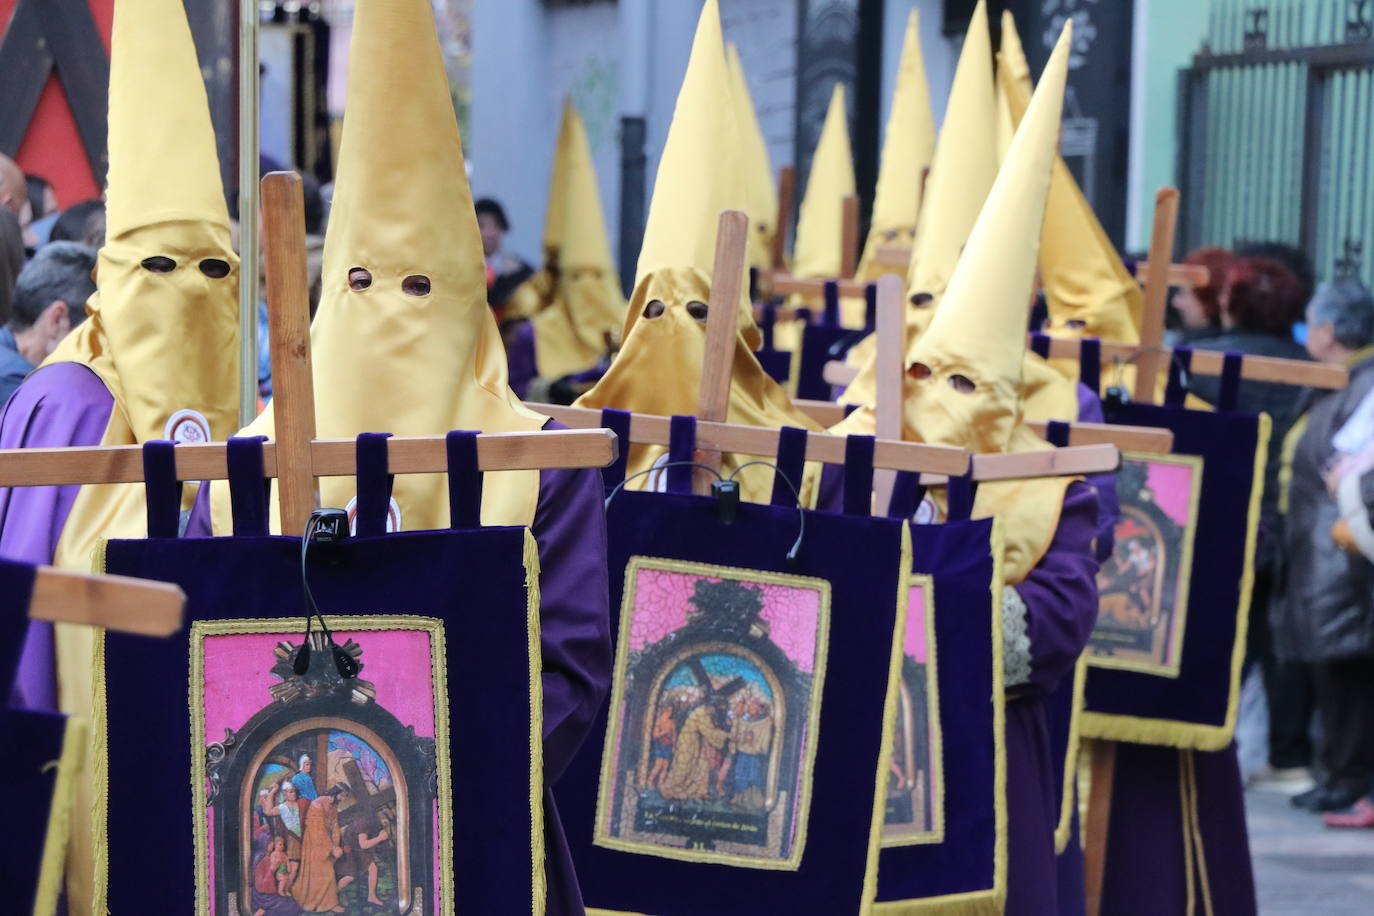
1016, 657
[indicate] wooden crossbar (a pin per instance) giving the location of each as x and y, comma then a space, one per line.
36, 467
784, 284
113, 602
787, 189
1204, 362
849, 236
1195, 275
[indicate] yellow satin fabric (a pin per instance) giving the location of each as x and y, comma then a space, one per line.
386, 360
761, 195
908, 145
820, 227
658, 372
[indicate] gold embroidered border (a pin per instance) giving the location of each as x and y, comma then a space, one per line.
936, 834
340, 623
75, 735
1063, 831
803, 804
988, 901
1185, 574
1195, 735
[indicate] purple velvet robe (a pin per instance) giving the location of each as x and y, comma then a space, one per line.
65, 404
1060, 595
575, 639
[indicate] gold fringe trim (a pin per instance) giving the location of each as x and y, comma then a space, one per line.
536, 662
1063, 831
75, 735
894, 674
99, 762
1193, 735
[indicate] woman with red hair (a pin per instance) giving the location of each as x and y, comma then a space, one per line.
1259, 303
1197, 307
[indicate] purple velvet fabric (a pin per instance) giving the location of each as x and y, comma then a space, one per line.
575, 639
1061, 607
520, 363
1108, 504
1145, 871
60, 405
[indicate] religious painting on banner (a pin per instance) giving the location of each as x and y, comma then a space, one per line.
914, 811
715, 705
315, 794
1143, 586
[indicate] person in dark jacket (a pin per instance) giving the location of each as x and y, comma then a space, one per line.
1258, 300
1325, 612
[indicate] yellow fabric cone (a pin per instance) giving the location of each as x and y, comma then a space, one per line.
658, 368
964, 375
537, 293
389, 355
571, 335
961, 174
761, 197
1088, 290
816, 250
908, 145
162, 334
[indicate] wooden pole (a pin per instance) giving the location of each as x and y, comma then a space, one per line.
248, 210
1156, 293
288, 316
722, 322
890, 329
787, 190
849, 237
1098, 823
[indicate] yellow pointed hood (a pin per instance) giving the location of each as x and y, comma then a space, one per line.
571, 336
558, 181
409, 345
961, 175
760, 195
816, 251
163, 329
1089, 292
658, 368
964, 373
908, 145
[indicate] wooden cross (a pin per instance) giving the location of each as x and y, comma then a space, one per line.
849, 236
296, 457
1149, 359
366, 804
44, 35
787, 189
113, 602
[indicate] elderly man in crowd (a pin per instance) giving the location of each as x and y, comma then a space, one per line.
1325, 614
49, 300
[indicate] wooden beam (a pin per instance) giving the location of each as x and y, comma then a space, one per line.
894, 257
849, 236
1098, 822
1194, 275
113, 602
1127, 438
762, 442
288, 325
1150, 360
722, 324
35, 467
826, 413
890, 388
1058, 462
1298, 372
785, 284
787, 191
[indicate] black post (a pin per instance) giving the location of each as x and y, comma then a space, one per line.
633, 205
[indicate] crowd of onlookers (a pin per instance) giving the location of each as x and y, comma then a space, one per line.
1311, 622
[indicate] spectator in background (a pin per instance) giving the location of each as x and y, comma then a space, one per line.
43, 203
49, 300
11, 260
82, 222
14, 191
1324, 612
1289, 256
1197, 308
505, 272
1258, 301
